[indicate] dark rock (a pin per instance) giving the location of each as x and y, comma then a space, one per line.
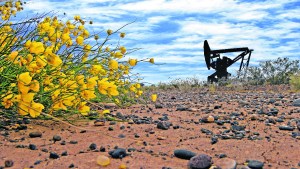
73, 142
37, 162
184, 154
65, 153
206, 131
164, 125
255, 164
8, 163
222, 155
181, 109
35, 134
214, 140
201, 161
296, 103
32, 147
237, 128
288, 128
118, 153
56, 138
53, 155
102, 149
158, 106
93, 146
71, 165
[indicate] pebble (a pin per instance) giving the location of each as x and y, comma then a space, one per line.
214, 140
201, 161
32, 147
255, 164
73, 142
8, 163
210, 119
184, 154
296, 103
35, 134
99, 122
164, 125
53, 155
93, 146
56, 138
103, 160
288, 128
118, 153
158, 106
65, 153
227, 163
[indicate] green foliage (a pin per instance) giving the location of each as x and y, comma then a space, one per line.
272, 72
295, 81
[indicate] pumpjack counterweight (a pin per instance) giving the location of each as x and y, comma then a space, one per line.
214, 60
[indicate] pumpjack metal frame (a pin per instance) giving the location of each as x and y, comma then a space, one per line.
213, 60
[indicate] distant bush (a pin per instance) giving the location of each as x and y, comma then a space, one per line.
295, 81
272, 72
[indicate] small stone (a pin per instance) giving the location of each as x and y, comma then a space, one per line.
118, 153
201, 161
184, 154
158, 106
103, 160
53, 155
37, 162
65, 153
288, 128
71, 165
93, 146
109, 105
296, 103
110, 128
161, 138
35, 134
210, 119
8, 163
164, 125
32, 147
99, 122
102, 149
214, 140
121, 136
56, 138
255, 164
226, 163
73, 142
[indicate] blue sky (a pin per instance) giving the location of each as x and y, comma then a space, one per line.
173, 31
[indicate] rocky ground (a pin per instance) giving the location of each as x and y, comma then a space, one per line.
256, 128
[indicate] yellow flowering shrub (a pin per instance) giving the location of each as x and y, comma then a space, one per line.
56, 67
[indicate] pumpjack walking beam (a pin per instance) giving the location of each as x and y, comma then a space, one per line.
213, 60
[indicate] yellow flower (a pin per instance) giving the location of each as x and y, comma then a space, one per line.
109, 31
79, 40
122, 35
25, 78
88, 94
54, 60
132, 62
59, 106
35, 109
106, 111
7, 102
80, 79
153, 97
28, 97
83, 109
123, 49
77, 17
107, 49
151, 60
23, 108
91, 82
113, 64
69, 100
35, 86
118, 55
36, 47
13, 55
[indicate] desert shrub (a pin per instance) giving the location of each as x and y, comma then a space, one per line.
54, 66
272, 72
295, 81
